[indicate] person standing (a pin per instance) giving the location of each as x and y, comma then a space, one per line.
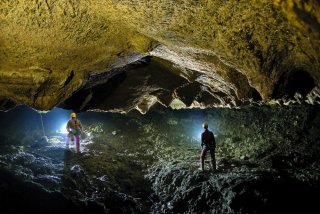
74, 128
208, 143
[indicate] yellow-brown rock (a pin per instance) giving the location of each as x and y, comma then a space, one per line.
221, 52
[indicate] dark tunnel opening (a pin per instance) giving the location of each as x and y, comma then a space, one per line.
95, 94
294, 81
255, 94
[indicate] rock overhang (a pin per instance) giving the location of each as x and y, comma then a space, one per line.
122, 55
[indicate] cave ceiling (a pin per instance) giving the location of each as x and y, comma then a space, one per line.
120, 55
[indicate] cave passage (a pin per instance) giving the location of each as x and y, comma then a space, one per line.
143, 76
267, 157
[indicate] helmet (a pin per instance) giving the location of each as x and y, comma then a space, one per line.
205, 125
73, 114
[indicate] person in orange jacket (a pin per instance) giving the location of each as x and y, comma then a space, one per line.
74, 128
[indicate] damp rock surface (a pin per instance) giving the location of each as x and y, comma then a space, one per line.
267, 159
240, 190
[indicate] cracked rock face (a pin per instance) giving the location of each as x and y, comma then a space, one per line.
123, 55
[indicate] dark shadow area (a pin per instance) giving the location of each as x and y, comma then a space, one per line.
98, 92
69, 78
271, 195
125, 87
6, 104
19, 196
291, 82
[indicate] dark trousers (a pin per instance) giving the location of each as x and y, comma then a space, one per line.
203, 156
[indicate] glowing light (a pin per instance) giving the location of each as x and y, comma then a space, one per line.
199, 132
196, 135
63, 129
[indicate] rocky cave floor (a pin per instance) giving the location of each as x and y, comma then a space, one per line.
267, 157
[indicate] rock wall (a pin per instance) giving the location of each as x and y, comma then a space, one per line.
227, 51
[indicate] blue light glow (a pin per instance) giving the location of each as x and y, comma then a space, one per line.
63, 129
198, 133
